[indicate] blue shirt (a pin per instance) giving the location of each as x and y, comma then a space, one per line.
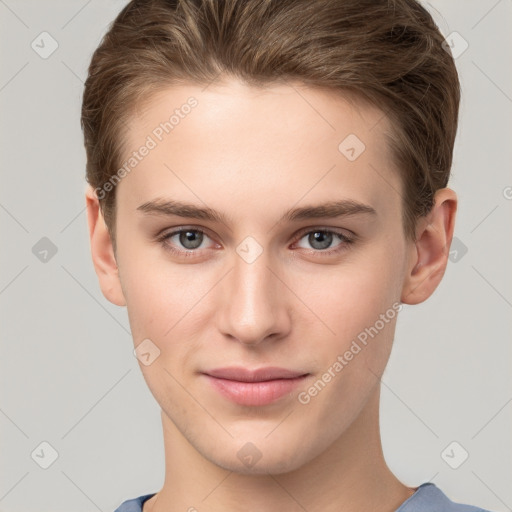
427, 498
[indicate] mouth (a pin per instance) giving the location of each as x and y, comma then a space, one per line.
258, 387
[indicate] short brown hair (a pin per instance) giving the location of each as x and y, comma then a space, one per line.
389, 52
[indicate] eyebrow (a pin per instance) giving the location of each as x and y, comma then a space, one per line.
332, 209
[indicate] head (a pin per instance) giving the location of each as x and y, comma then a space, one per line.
234, 121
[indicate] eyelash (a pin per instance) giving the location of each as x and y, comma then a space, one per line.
187, 253
190, 253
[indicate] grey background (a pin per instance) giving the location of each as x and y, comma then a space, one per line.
68, 374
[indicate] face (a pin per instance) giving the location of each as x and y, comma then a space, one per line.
253, 234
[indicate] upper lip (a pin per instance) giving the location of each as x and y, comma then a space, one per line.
258, 375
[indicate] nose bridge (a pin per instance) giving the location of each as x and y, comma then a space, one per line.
253, 308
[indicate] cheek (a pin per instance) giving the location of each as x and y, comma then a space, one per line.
361, 308
163, 303
359, 303
354, 296
160, 298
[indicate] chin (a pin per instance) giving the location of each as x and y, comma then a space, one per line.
258, 458
275, 466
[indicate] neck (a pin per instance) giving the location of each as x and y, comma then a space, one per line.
350, 476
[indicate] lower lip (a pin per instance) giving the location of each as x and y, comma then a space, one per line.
255, 393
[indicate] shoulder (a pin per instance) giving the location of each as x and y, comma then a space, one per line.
429, 498
133, 505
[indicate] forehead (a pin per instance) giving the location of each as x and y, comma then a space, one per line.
277, 142
270, 106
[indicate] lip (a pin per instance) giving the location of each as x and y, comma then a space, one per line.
257, 387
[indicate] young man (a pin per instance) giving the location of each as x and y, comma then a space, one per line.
267, 186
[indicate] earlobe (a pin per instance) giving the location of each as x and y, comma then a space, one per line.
102, 251
429, 256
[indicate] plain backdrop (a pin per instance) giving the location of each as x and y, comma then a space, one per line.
69, 378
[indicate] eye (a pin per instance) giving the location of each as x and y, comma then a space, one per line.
323, 239
184, 241
190, 242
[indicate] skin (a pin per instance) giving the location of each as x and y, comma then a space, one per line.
253, 154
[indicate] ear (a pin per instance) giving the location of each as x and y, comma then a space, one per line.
102, 251
430, 251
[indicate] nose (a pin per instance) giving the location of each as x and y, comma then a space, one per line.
253, 306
